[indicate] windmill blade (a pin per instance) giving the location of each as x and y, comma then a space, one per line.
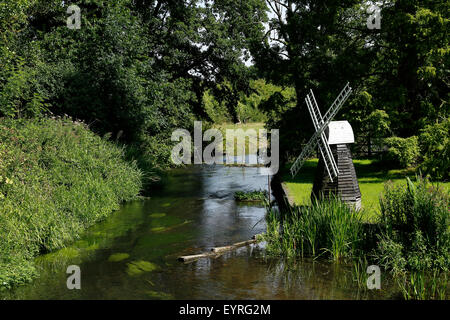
332, 111
306, 152
325, 150
337, 104
315, 115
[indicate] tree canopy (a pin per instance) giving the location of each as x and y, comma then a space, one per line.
137, 69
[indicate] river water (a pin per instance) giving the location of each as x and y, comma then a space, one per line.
133, 254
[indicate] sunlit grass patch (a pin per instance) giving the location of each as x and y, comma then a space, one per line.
371, 178
240, 134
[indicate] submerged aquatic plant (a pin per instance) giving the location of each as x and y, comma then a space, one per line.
139, 267
159, 295
116, 257
157, 215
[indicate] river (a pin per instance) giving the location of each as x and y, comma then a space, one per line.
133, 253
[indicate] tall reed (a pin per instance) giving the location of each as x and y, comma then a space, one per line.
422, 285
330, 228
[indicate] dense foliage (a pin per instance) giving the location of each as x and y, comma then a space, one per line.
399, 72
403, 152
138, 69
435, 149
416, 227
135, 69
56, 179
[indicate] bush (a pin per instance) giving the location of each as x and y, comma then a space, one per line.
216, 110
257, 195
57, 178
404, 152
435, 150
416, 227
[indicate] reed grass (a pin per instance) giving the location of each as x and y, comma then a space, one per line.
422, 285
329, 228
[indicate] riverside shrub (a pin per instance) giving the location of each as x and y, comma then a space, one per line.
416, 227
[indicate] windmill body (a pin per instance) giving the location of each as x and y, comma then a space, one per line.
335, 172
345, 184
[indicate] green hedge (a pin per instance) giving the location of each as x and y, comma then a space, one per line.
57, 178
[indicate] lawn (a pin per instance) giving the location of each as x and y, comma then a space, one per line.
371, 177
244, 126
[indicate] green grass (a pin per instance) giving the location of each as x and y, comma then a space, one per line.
244, 126
424, 286
371, 177
57, 178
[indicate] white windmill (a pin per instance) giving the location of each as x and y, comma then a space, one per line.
335, 172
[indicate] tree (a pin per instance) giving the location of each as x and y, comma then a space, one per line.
412, 64
136, 69
311, 45
206, 42
321, 45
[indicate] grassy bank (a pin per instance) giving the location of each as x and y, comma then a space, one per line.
371, 174
57, 178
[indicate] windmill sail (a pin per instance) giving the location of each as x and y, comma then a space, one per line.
324, 147
332, 111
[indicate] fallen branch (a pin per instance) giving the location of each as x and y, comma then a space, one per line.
196, 257
217, 252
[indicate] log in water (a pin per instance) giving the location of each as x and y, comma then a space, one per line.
216, 252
